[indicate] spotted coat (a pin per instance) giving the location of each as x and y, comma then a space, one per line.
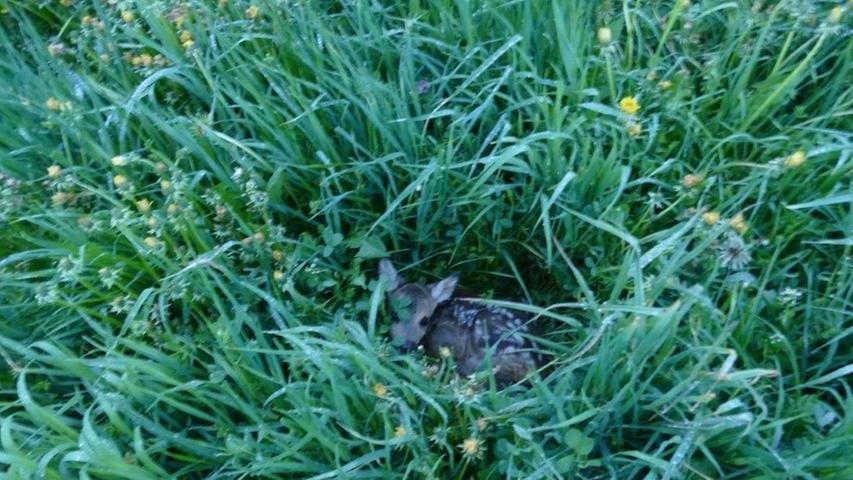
473, 329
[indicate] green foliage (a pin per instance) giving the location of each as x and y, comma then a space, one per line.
195, 195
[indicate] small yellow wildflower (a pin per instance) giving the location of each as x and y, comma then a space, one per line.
634, 129
277, 255
835, 15
151, 242
604, 35
152, 222
172, 208
59, 198
739, 223
259, 237
711, 217
119, 161
53, 104
795, 159
185, 35
55, 49
690, 180
136, 60
146, 59
165, 184
471, 447
629, 105
253, 12
664, 84
278, 275
380, 390
119, 180
54, 171
144, 205
482, 424
85, 221
104, 57
444, 352
161, 167
66, 3
127, 16
399, 432
188, 44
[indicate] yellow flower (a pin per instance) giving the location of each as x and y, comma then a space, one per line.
59, 198
629, 105
604, 35
172, 208
55, 49
835, 15
188, 44
127, 16
54, 171
136, 60
53, 104
482, 423
711, 217
259, 237
144, 205
444, 352
664, 84
165, 184
380, 390
186, 36
277, 255
471, 447
739, 223
151, 242
253, 12
691, 180
146, 59
66, 3
399, 432
278, 275
152, 222
634, 129
795, 159
104, 57
118, 161
119, 180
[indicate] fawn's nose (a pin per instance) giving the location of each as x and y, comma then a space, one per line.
408, 346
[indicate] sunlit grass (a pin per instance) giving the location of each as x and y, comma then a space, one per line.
195, 195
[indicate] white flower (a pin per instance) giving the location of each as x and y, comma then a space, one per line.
734, 253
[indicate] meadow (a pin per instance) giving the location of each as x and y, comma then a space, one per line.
195, 195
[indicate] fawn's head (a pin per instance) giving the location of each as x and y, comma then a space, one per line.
412, 304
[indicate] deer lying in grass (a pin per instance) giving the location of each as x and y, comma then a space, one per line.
466, 328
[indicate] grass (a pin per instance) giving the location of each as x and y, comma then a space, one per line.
194, 204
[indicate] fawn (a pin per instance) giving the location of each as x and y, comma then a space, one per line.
467, 328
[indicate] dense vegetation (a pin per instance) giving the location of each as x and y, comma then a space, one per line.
195, 194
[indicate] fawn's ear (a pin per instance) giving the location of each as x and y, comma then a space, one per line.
387, 270
443, 290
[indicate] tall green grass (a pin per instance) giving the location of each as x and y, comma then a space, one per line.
190, 290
